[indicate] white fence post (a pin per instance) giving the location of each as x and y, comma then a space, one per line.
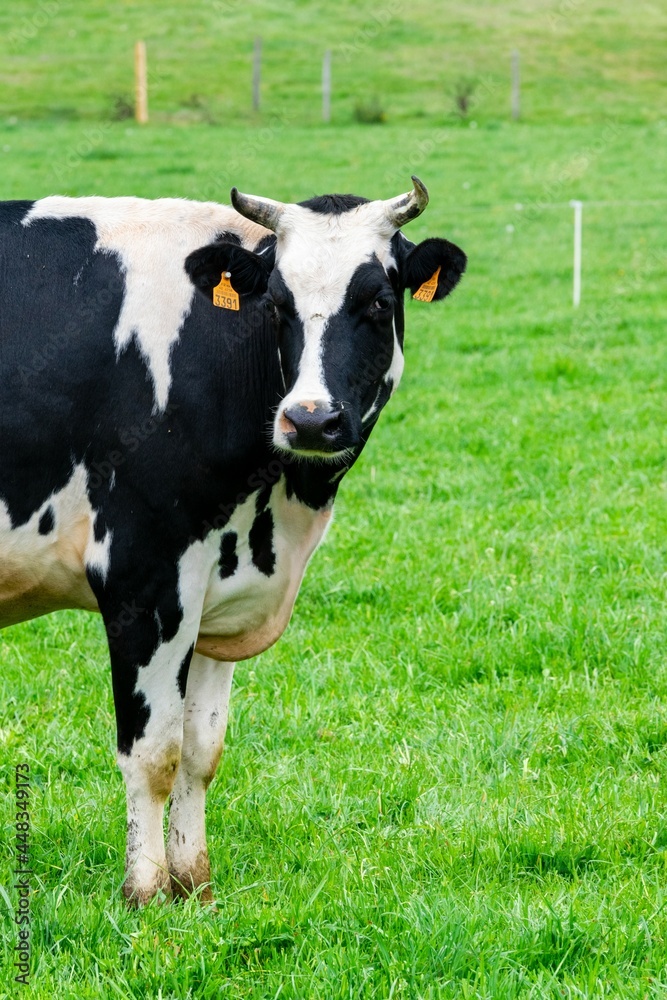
326, 86
516, 86
576, 279
256, 74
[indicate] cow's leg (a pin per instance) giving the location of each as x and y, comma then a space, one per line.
149, 714
204, 725
151, 633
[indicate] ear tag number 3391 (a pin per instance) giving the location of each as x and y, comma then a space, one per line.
224, 295
426, 291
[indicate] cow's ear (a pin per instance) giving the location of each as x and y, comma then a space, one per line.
433, 268
249, 271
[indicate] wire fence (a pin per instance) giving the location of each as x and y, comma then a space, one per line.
610, 242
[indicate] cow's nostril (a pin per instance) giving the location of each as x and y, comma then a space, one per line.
312, 426
286, 425
331, 426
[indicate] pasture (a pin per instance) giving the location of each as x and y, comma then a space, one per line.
447, 779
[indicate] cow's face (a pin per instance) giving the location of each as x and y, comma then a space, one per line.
333, 286
337, 305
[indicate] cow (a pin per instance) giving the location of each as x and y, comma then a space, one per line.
183, 387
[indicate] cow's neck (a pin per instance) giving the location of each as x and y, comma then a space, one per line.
315, 484
233, 441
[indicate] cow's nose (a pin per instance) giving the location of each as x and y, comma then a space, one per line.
313, 425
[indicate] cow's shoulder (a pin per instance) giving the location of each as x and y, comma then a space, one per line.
12, 213
120, 222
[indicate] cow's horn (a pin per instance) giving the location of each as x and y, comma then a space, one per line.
264, 211
406, 207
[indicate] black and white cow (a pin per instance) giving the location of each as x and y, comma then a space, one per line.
183, 386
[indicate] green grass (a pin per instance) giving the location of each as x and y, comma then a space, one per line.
580, 59
447, 779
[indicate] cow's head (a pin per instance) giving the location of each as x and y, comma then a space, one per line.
333, 283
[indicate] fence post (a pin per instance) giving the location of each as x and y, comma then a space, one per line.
516, 86
256, 74
326, 86
576, 277
140, 84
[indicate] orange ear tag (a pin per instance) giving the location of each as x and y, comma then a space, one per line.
426, 291
224, 295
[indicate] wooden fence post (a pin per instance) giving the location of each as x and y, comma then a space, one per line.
140, 84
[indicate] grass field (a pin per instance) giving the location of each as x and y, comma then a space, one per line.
448, 778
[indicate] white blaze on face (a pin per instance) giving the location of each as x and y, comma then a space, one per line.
317, 255
395, 370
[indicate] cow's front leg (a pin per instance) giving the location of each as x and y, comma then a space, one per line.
150, 647
149, 769
204, 726
149, 714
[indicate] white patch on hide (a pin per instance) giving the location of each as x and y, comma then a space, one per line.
42, 573
248, 611
97, 553
151, 240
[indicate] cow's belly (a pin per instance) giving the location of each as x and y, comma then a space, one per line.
40, 587
45, 570
244, 623
246, 612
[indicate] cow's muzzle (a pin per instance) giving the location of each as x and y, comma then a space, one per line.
313, 426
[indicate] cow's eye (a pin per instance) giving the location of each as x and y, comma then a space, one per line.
382, 304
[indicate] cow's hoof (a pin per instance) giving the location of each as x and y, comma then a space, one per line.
137, 895
194, 880
183, 887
